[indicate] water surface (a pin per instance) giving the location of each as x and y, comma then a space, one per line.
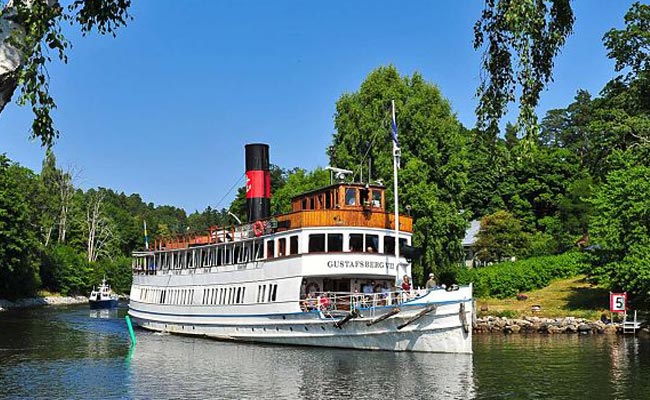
72, 352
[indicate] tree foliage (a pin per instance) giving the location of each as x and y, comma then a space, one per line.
500, 238
34, 31
520, 39
433, 177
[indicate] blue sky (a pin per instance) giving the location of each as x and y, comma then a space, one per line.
164, 110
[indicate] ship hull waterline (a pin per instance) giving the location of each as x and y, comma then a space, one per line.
440, 328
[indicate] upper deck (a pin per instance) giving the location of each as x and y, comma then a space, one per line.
337, 205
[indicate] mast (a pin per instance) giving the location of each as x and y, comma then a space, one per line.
396, 156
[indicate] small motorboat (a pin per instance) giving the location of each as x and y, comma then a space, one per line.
102, 297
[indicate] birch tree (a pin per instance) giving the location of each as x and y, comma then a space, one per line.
99, 227
29, 30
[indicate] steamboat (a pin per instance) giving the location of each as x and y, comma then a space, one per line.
333, 272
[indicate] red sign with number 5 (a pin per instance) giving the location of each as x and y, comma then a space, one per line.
617, 302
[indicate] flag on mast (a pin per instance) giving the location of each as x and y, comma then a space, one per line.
146, 237
394, 126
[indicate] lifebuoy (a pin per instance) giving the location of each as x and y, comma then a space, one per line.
258, 228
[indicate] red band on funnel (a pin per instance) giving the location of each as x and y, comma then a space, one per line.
258, 184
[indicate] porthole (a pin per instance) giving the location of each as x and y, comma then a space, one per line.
291, 329
322, 327
307, 329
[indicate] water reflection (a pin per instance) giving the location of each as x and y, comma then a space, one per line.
105, 313
561, 367
195, 367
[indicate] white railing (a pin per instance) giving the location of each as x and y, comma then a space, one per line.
345, 301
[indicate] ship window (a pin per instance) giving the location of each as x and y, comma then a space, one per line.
328, 200
317, 243
389, 245
243, 293
238, 295
259, 250
237, 257
293, 244
270, 292
263, 293
334, 242
372, 243
227, 255
219, 256
270, 249
350, 197
356, 242
376, 198
282, 247
275, 292
364, 194
304, 203
311, 203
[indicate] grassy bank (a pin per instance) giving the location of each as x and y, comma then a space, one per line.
565, 297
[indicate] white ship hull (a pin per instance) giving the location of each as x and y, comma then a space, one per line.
444, 324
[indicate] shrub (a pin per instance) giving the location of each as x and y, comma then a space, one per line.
510, 278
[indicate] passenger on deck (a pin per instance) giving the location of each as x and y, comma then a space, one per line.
324, 302
309, 303
406, 288
431, 283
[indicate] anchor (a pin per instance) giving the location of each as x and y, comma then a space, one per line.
353, 314
383, 317
418, 316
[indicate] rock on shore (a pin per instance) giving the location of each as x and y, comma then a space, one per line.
42, 301
545, 325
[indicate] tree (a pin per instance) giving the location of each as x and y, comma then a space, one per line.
18, 244
630, 47
100, 232
433, 147
500, 238
620, 226
297, 181
28, 30
520, 39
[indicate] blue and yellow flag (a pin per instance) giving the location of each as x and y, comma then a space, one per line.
146, 237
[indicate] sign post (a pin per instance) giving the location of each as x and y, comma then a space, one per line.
618, 304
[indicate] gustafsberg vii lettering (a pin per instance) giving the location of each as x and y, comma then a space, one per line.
359, 264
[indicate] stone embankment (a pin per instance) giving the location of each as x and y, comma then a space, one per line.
546, 325
42, 301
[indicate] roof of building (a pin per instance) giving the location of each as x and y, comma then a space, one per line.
471, 233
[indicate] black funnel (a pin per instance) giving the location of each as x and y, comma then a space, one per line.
258, 181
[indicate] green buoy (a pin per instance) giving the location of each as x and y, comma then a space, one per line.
128, 323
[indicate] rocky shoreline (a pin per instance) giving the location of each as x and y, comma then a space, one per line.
539, 325
42, 301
